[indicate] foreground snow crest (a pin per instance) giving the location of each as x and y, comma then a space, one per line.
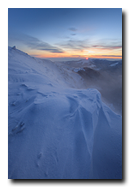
58, 132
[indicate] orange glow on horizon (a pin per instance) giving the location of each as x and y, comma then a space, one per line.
77, 54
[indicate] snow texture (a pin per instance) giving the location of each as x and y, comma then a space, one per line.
56, 129
114, 64
79, 69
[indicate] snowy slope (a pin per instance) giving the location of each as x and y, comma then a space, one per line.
56, 130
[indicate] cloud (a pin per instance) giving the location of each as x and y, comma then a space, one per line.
75, 44
87, 44
34, 43
37, 44
106, 47
72, 29
111, 56
76, 56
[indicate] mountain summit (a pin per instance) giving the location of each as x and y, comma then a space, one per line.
57, 130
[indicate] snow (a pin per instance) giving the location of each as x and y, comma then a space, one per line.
78, 69
114, 64
57, 129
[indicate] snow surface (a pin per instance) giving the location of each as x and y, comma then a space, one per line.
57, 130
78, 69
114, 64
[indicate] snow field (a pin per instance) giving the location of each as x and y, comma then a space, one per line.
56, 130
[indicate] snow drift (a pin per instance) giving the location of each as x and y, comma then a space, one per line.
56, 130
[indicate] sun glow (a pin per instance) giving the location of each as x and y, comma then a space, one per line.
76, 54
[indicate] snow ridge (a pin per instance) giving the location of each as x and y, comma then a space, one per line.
56, 131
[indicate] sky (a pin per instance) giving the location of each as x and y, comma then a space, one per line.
66, 32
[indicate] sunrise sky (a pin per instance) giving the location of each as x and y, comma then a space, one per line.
72, 33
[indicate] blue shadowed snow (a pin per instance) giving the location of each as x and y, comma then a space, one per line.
57, 131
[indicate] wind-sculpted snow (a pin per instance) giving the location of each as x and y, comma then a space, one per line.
58, 132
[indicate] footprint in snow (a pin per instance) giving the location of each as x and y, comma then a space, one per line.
39, 156
18, 128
